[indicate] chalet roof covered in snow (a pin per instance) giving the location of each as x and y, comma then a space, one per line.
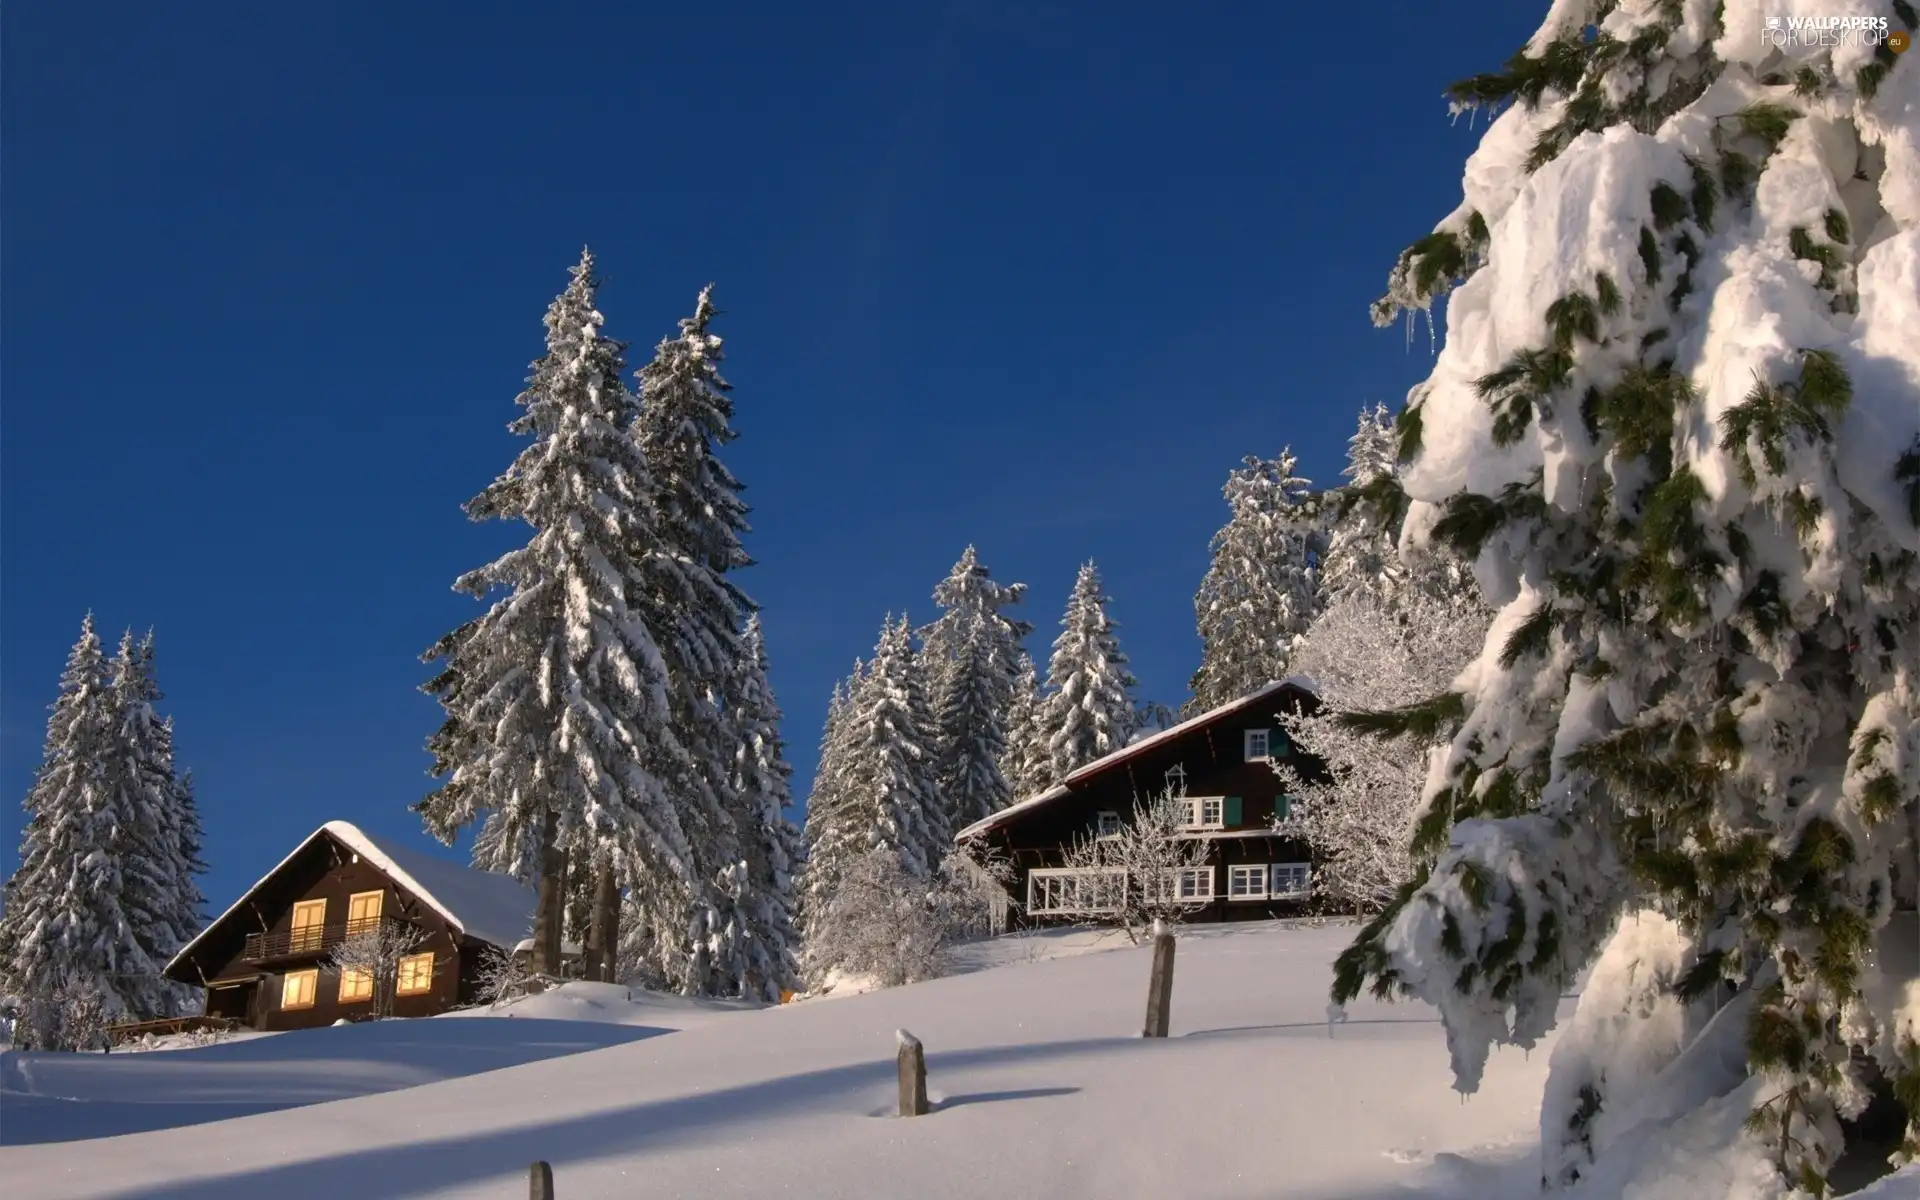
496, 909
1125, 753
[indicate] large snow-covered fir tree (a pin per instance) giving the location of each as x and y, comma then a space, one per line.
557, 735
973, 659
159, 836
1676, 422
85, 916
1262, 589
892, 772
773, 854
1088, 711
698, 616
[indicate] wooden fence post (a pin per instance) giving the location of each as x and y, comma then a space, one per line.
913, 1075
1160, 985
540, 1182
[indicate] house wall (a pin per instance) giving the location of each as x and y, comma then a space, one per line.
1213, 758
329, 871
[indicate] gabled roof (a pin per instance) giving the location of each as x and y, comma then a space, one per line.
497, 909
1127, 752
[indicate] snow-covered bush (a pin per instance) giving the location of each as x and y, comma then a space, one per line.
886, 924
372, 955
1676, 424
1363, 655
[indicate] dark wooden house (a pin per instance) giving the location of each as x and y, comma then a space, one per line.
266, 961
1223, 761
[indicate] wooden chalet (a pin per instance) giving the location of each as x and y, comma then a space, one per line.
1223, 761
265, 961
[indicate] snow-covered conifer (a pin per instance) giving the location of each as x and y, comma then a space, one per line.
698, 617
157, 830
973, 659
1676, 424
773, 853
891, 766
1363, 540
1262, 589
64, 928
1088, 712
558, 723
833, 833
1024, 762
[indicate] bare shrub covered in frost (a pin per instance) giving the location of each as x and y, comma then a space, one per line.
888, 925
1134, 874
1363, 654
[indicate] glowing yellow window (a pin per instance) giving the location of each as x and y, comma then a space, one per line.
363, 909
298, 988
309, 919
356, 983
416, 974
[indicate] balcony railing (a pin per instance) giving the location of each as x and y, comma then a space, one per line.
308, 941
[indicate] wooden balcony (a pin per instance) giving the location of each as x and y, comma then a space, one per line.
310, 942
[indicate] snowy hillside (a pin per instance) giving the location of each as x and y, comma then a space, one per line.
1042, 1087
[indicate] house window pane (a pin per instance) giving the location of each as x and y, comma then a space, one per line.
1247, 882
298, 987
363, 908
309, 921
1211, 810
1256, 744
416, 974
356, 983
1109, 824
1292, 879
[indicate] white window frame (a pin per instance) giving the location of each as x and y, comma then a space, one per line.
1107, 824
1248, 881
1291, 881
1057, 891
1247, 743
1197, 807
1191, 885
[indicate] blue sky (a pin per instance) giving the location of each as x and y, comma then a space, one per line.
1029, 275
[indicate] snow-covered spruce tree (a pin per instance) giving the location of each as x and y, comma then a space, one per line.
1262, 588
157, 831
1363, 539
891, 769
973, 660
557, 732
833, 833
697, 616
1024, 762
1088, 711
1676, 422
773, 849
1363, 655
64, 930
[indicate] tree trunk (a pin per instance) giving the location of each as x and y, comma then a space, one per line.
553, 898
603, 936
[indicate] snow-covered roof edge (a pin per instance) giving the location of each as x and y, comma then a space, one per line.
1300, 682
354, 839
461, 917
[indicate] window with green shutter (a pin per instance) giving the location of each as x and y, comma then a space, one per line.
1282, 807
1232, 813
1278, 746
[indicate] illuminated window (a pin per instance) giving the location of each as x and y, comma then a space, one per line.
298, 988
363, 910
356, 983
309, 921
416, 974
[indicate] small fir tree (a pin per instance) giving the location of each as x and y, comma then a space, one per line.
1089, 711
1025, 762
973, 658
1262, 589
